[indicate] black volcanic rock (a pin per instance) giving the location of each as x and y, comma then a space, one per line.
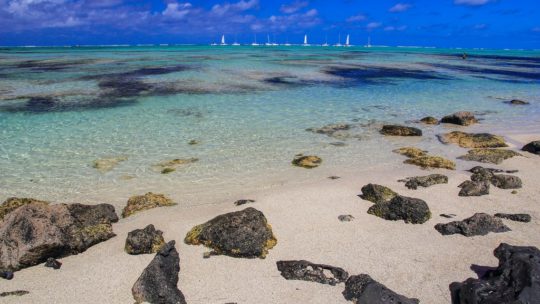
307, 271
362, 289
478, 224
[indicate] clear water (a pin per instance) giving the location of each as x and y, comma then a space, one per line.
58, 114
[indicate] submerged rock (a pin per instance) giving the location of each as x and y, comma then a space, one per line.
346, 218
104, 165
35, 232
410, 152
171, 165
307, 271
460, 118
397, 130
504, 181
308, 162
494, 156
52, 263
408, 209
430, 120
517, 102
159, 280
244, 234
331, 130
13, 203
517, 217
193, 142
140, 203
431, 162
362, 289
143, 241
532, 147
478, 224
515, 280
474, 188
473, 140
377, 193
425, 181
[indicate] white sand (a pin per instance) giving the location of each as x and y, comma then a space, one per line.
413, 260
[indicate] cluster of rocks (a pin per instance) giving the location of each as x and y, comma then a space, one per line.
478, 224
422, 159
458, 118
391, 206
482, 178
358, 288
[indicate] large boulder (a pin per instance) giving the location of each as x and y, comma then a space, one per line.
494, 156
505, 181
245, 234
473, 140
474, 188
478, 224
460, 118
532, 147
143, 241
408, 209
307, 271
140, 203
13, 203
397, 130
35, 232
425, 181
377, 193
362, 289
159, 280
515, 281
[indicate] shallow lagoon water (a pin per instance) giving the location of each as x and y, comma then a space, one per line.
248, 107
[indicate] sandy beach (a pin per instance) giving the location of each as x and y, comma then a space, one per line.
413, 260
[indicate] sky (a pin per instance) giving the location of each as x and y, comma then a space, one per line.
439, 23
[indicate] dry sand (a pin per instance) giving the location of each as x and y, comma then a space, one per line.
413, 260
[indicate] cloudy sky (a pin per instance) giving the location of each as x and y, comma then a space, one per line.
442, 23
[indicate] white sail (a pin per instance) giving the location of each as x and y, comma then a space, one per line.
339, 41
347, 42
255, 41
223, 40
369, 42
305, 39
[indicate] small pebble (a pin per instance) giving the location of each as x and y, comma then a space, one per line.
207, 255
8, 275
346, 218
52, 263
334, 177
243, 202
447, 215
514, 192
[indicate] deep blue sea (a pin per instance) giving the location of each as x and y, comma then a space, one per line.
246, 107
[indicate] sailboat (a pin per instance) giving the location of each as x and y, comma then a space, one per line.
255, 41
347, 42
368, 42
325, 41
235, 41
223, 40
305, 41
339, 41
268, 40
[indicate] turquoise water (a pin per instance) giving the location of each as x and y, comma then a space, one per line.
248, 107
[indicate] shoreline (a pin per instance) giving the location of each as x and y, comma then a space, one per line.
304, 220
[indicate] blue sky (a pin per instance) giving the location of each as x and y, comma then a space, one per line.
441, 23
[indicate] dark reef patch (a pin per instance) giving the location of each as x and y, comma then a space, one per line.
532, 75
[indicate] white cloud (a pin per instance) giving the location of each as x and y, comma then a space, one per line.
356, 18
395, 28
177, 10
222, 9
400, 7
293, 7
373, 25
471, 2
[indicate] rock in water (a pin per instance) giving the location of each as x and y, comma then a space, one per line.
377, 193
307, 271
430, 120
517, 102
105, 165
143, 241
362, 289
518, 217
478, 224
408, 209
331, 130
410, 152
140, 203
494, 156
532, 147
516, 280
52, 263
505, 181
460, 118
308, 161
13, 203
425, 181
473, 140
397, 130
158, 282
474, 188
35, 232
244, 234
